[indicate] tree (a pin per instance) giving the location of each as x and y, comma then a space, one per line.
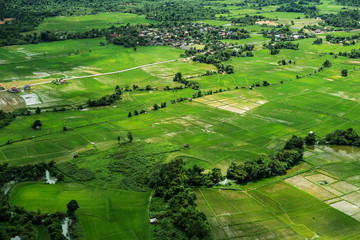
216, 175
136, 112
130, 136
178, 77
327, 63
155, 107
72, 206
274, 51
229, 69
130, 114
65, 129
118, 138
294, 143
266, 83
36, 125
344, 72
310, 139
37, 110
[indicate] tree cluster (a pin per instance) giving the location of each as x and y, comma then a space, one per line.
343, 19
172, 182
265, 166
18, 221
282, 45
248, 19
106, 100
346, 137
6, 118
296, 7
317, 41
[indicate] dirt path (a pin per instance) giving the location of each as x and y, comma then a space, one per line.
108, 73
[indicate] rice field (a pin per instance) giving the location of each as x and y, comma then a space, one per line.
318, 199
103, 214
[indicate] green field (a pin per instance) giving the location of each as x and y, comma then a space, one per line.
103, 214
88, 22
235, 124
277, 211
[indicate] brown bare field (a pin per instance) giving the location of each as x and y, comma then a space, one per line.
9, 102
266, 22
309, 187
344, 187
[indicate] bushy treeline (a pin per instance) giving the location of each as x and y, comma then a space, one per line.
268, 166
19, 222
346, 137
163, 11
15, 221
270, 33
296, 7
172, 182
29, 14
6, 118
355, 53
282, 45
106, 100
349, 2
23, 173
248, 20
48, 36
343, 19
216, 61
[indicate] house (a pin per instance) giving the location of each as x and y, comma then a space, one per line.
318, 30
114, 35
153, 221
27, 87
63, 81
14, 90
186, 145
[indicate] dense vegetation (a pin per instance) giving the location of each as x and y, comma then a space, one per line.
295, 7
172, 182
6, 118
343, 19
27, 16
346, 137
19, 222
178, 11
348, 2
267, 166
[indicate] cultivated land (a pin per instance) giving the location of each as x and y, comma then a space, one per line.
104, 214
317, 199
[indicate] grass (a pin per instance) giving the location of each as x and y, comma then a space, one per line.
88, 22
103, 214
232, 126
277, 211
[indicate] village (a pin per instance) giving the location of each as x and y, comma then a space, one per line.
187, 36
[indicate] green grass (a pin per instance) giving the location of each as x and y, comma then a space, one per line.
233, 126
103, 214
277, 211
88, 22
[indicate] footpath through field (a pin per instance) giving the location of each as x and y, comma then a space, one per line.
108, 73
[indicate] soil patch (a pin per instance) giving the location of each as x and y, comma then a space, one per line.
266, 22
6, 20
